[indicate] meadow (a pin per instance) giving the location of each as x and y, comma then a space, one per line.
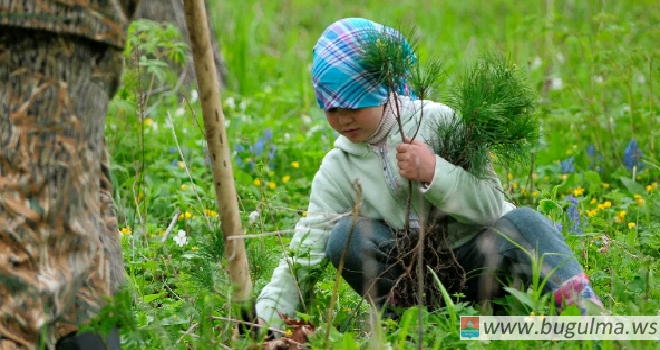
595, 172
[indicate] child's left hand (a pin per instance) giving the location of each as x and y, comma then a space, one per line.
407, 155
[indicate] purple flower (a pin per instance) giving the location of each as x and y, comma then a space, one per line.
567, 165
591, 150
172, 149
632, 155
271, 153
574, 216
559, 227
268, 134
239, 149
239, 162
258, 148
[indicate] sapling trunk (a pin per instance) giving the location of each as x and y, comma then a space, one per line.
216, 137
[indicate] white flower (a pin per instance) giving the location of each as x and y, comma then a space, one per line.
230, 102
180, 111
268, 89
537, 63
598, 79
193, 96
181, 238
254, 216
243, 105
314, 129
287, 136
557, 83
306, 118
560, 57
641, 79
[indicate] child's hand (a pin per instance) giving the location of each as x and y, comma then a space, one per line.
407, 155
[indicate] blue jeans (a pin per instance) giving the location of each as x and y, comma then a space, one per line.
371, 256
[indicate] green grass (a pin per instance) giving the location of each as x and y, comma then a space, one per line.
604, 52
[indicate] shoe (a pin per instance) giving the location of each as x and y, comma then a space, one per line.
90, 341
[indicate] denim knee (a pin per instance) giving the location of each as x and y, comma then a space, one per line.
368, 235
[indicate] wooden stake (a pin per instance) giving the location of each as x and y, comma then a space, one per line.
216, 137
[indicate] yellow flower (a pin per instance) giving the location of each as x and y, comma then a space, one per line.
180, 163
288, 333
183, 187
607, 204
649, 188
257, 182
631, 225
305, 213
593, 200
564, 176
509, 176
535, 193
524, 192
148, 121
622, 214
210, 212
546, 178
591, 212
640, 201
637, 196
514, 185
194, 248
295, 164
161, 232
655, 185
578, 191
271, 184
618, 219
532, 313
606, 185
140, 197
534, 176
286, 179
126, 230
347, 309
601, 206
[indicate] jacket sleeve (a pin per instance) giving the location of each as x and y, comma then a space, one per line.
458, 193
306, 251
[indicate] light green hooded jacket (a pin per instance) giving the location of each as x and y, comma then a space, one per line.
474, 203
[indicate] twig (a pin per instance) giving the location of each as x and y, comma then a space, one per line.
295, 282
163, 92
185, 166
420, 262
276, 330
340, 268
171, 226
187, 332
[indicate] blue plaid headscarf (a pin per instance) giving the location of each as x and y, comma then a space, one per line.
338, 78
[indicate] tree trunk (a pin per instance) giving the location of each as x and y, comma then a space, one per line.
171, 11
218, 145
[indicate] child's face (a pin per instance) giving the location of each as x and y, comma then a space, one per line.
355, 124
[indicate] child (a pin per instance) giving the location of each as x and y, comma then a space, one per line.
369, 148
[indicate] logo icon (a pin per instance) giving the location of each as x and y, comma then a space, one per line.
469, 327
